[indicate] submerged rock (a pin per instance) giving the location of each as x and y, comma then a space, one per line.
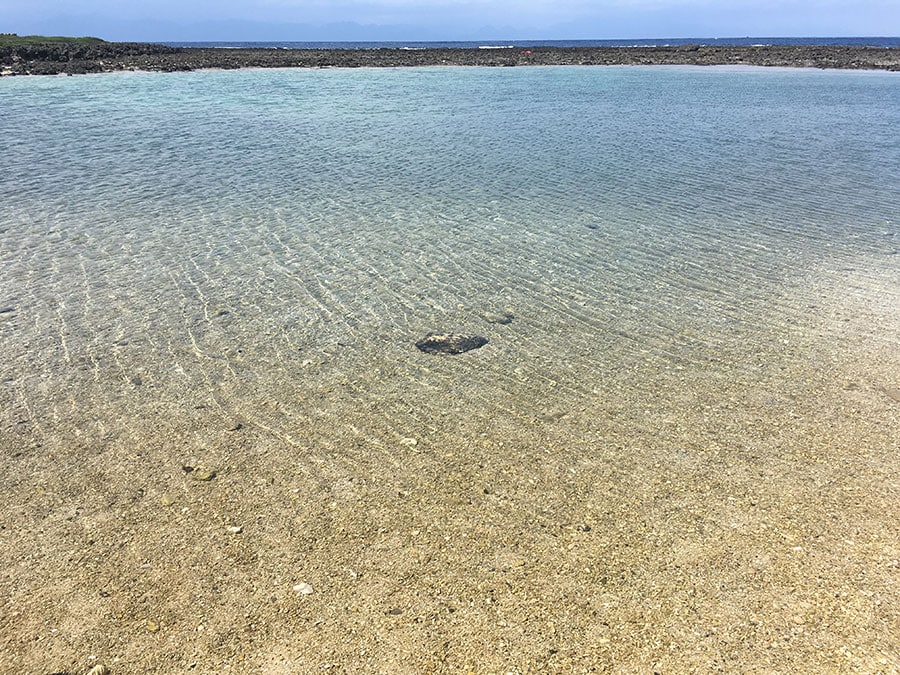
499, 317
450, 343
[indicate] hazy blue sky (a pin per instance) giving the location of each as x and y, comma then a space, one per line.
447, 19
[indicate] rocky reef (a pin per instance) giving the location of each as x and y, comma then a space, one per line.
74, 57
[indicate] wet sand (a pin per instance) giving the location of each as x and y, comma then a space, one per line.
108, 57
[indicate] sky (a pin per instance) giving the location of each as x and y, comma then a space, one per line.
186, 20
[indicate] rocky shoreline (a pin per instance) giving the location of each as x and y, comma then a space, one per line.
71, 58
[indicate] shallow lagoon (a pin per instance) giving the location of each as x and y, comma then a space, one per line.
230, 270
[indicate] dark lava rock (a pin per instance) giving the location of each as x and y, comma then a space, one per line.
45, 59
450, 343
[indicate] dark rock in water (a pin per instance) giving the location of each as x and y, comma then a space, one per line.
450, 343
7, 310
592, 226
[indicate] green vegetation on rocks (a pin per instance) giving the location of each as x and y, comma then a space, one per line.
13, 40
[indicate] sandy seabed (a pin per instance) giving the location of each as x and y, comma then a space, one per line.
738, 514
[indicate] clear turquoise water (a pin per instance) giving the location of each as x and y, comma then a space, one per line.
681, 453
271, 243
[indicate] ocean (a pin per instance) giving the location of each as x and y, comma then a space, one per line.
487, 44
686, 276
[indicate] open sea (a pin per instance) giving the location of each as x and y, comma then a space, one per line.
662, 259
488, 44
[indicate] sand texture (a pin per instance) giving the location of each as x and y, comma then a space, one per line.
696, 519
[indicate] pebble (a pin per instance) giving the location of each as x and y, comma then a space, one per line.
152, 626
235, 529
411, 442
553, 415
303, 589
99, 669
201, 473
167, 500
501, 317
